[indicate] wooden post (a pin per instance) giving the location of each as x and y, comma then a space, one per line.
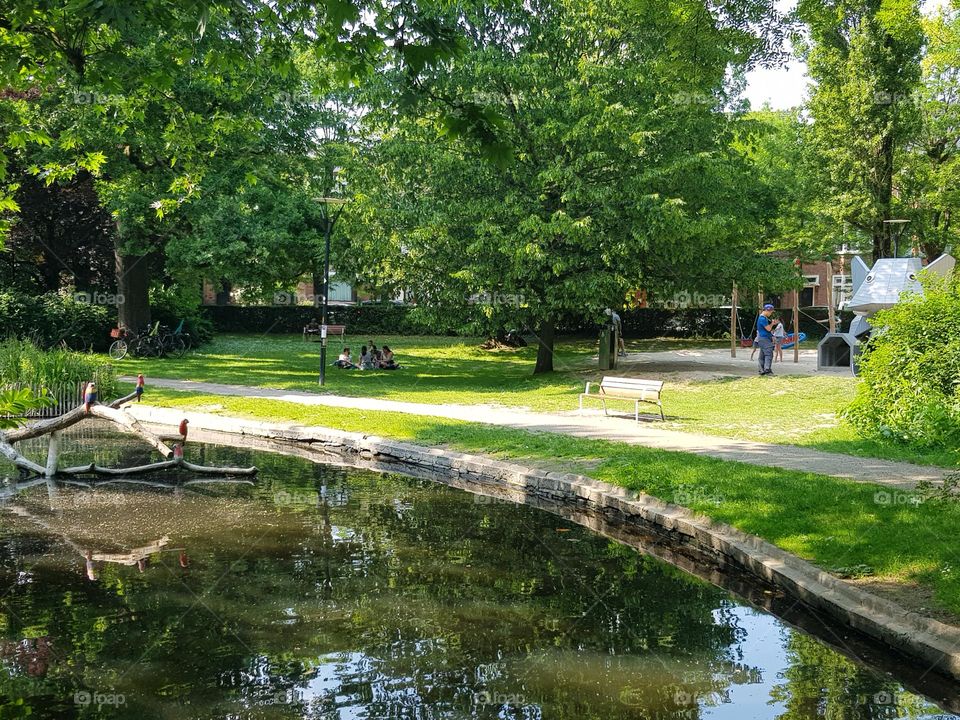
796, 325
831, 312
734, 335
53, 453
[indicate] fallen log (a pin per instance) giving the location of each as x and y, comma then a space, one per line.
131, 425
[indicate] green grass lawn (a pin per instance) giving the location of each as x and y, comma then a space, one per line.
798, 410
835, 523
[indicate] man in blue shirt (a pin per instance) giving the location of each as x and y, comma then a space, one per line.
765, 339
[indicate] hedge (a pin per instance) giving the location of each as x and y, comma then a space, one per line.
51, 319
382, 319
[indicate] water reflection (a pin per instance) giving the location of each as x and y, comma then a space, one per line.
324, 593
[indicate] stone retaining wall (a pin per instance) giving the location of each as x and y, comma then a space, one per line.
934, 644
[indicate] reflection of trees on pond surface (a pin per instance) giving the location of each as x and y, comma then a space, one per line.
315, 591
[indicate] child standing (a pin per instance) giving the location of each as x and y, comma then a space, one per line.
779, 334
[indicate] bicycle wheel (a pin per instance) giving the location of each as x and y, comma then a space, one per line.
118, 349
145, 347
178, 347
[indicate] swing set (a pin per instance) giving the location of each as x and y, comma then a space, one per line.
747, 340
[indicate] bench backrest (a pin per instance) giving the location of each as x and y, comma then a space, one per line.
631, 387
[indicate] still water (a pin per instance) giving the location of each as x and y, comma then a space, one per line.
320, 592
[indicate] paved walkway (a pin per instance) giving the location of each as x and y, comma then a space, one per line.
714, 362
593, 425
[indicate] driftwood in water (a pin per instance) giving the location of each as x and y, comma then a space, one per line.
111, 412
131, 425
93, 469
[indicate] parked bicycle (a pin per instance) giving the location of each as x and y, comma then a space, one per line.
156, 341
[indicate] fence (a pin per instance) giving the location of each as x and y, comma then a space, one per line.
67, 398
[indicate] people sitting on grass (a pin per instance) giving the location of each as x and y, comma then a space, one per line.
368, 360
345, 361
386, 359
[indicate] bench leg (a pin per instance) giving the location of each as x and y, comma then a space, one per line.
636, 411
604, 407
660, 405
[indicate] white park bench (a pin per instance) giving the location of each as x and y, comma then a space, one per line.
621, 388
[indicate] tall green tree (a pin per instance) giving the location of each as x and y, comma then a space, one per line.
864, 59
928, 177
155, 98
613, 167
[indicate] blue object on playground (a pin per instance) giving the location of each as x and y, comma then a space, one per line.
789, 340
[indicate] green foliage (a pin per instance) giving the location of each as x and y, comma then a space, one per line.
864, 57
617, 171
174, 304
55, 320
23, 364
17, 402
910, 371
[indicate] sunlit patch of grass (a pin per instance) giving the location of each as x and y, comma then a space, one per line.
789, 410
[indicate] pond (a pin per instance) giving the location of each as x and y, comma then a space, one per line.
317, 591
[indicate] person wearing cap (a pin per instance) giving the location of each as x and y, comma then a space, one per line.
765, 340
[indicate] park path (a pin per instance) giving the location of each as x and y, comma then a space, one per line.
594, 425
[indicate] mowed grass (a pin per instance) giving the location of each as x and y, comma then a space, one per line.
790, 410
835, 523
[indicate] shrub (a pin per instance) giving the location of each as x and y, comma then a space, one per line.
55, 319
910, 371
23, 364
173, 304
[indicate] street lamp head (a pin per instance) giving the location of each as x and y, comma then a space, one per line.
334, 202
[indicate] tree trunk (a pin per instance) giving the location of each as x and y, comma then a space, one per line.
883, 196
133, 290
545, 333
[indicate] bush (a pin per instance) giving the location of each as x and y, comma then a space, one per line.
171, 305
23, 364
381, 319
54, 319
910, 371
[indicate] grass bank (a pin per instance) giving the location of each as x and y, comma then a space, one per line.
797, 410
883, 539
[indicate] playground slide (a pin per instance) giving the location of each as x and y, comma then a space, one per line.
790, 339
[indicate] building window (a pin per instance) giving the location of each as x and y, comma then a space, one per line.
811, 281
842, 290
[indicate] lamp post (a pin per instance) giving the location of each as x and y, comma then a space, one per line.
896, 238
329, 220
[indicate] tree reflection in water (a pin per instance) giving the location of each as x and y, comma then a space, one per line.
325, 593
